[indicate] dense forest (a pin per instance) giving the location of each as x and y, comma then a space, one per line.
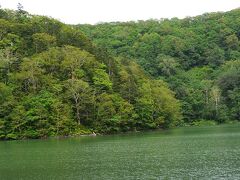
199, 58
55, 82
61, 80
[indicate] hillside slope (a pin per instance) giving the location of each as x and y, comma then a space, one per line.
55, 82
198, 56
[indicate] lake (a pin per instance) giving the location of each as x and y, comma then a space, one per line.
182, 153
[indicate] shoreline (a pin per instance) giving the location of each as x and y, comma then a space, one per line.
93, 134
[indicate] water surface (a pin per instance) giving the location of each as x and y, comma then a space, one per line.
182, 153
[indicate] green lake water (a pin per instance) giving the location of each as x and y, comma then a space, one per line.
181, 153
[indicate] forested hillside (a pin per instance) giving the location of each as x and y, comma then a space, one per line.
198, 56
55, 82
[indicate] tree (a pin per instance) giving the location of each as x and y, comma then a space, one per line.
157, 106
41, 115
80, 93
6, 104
167, 65
73, 37
216, 94
30, 75
114, 114
234, 96
43, 41
228, 81
6, 62
73, 60
4, 28
232, 42
101, 79
21, 14
214, 56
20, 7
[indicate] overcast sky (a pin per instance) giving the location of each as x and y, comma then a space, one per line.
94, 11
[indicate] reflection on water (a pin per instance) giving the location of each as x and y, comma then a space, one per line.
183, 153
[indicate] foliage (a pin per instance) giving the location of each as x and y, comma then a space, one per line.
198, 57
55, 82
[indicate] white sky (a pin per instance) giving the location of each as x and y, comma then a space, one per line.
94, 11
